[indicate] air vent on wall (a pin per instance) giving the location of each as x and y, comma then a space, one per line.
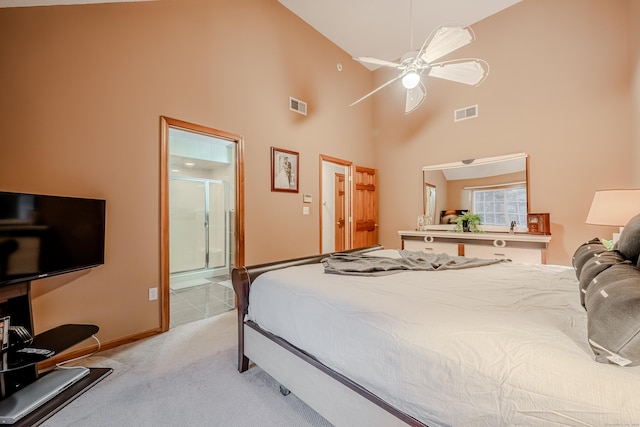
465, 113
298, 106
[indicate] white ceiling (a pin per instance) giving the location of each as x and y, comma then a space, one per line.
375, 28
381, 28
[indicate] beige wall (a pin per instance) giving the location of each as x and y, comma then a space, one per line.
634, 59
83, 88
559, 90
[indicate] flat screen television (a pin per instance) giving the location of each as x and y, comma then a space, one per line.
43, 235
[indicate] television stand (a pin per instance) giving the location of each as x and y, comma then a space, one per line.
62, 399
19, 376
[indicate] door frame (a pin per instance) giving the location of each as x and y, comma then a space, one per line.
165, 124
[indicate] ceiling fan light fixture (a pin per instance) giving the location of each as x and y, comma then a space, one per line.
412, 65
410, 80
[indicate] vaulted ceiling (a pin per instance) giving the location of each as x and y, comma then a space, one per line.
382, 28
375, 28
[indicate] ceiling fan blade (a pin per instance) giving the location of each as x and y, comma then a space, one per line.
376, 61
377, 89
415, 98
445, 40
468, 71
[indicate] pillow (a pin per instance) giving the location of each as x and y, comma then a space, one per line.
613, 315
586, 251
629, 242
594, 266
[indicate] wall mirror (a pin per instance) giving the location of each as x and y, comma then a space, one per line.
496, 188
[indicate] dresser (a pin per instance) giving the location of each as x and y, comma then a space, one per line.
518, 247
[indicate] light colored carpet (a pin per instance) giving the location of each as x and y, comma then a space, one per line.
185, 377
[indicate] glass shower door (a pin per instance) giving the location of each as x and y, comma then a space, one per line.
198, 225
187, 225
217, 224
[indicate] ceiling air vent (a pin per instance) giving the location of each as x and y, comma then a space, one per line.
298, 106
465, 113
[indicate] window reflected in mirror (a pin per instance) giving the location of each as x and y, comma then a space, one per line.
501, 205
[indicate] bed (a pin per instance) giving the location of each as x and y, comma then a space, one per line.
497, 344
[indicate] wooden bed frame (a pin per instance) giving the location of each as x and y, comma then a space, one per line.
337, 398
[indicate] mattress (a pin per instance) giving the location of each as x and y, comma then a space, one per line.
503, 344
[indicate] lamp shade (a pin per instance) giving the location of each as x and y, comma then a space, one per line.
614, 207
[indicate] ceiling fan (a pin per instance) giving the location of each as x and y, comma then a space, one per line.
412, 65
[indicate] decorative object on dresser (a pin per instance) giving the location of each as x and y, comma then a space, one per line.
538, 223
468, 222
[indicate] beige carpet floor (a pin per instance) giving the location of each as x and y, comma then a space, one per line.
184, 377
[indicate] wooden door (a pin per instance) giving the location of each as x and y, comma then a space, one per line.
365, 207
340, 212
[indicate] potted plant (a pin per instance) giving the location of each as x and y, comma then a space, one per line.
468, 222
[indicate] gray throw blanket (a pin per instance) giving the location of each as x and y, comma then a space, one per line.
365, 265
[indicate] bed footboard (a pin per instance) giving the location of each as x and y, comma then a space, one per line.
334, 396
242, 277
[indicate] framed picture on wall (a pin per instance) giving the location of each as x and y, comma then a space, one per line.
284, 170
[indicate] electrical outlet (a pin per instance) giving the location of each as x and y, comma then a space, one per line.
153, 294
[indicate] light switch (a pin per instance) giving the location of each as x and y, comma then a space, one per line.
305, 210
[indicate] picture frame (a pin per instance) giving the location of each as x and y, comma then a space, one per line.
285, 168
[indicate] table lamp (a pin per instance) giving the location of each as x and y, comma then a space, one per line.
614, 208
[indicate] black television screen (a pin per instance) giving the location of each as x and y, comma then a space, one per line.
42, 235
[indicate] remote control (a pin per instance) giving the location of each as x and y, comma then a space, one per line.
36, 351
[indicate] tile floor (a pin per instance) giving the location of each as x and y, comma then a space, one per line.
201, 301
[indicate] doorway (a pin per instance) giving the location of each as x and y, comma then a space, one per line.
335, 214
201, 220
349, 212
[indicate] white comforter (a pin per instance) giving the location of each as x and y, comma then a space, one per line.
500, 345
